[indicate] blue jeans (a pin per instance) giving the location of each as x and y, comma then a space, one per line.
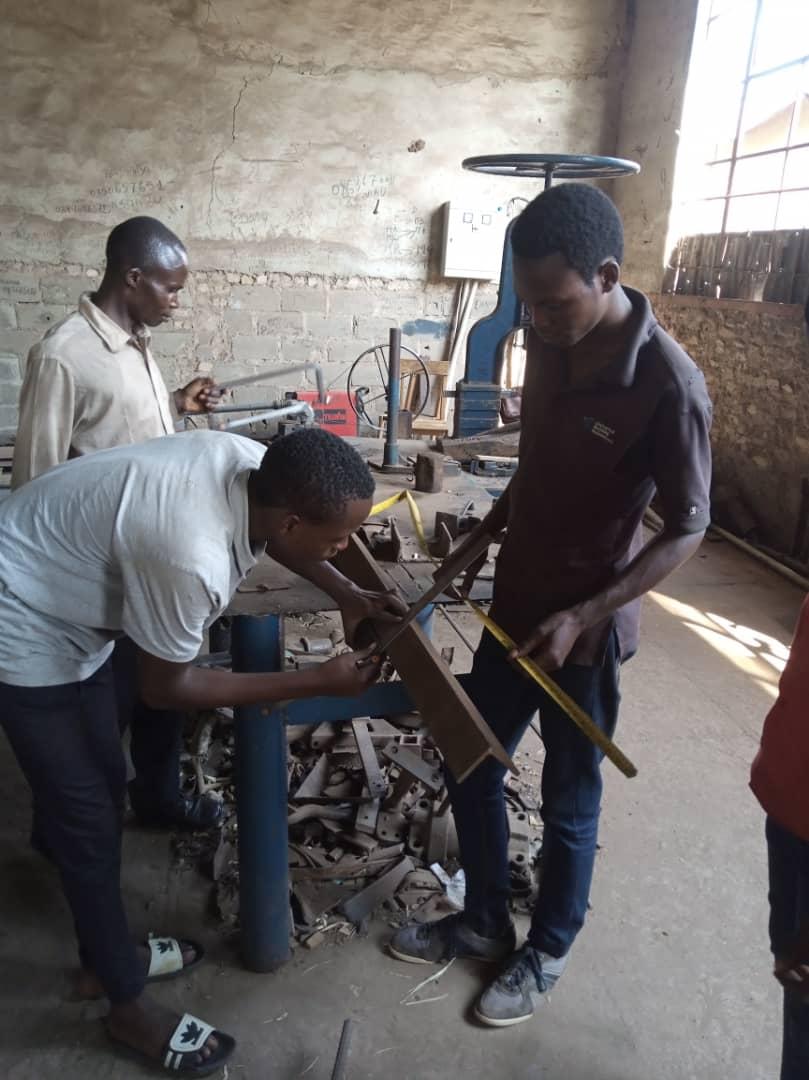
789, 912
571, 794
156, 737
68, 745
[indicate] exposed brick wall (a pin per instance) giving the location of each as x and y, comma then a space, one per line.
233, 324
755, 358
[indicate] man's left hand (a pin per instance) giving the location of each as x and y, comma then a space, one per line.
200, 396
360, 604
551, 641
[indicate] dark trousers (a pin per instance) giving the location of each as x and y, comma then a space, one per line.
789, 912
571, 794
156, 737
67, 741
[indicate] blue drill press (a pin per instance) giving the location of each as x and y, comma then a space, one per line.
477, 400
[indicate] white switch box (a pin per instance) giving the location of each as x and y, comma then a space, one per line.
473, 241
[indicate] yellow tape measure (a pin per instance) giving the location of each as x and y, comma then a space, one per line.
555, 692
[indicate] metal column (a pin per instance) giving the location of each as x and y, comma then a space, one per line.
261, 782
261, 801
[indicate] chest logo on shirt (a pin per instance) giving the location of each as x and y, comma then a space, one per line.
599, 429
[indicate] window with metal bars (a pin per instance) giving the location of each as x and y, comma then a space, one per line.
740, 220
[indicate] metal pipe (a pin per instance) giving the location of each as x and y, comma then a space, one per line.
245, 408
274, 414
261, 802
391, 452
796, 579
340, 1070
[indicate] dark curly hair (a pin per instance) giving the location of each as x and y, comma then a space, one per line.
576, 221
312, 473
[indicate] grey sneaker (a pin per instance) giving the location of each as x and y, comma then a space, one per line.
430, 943
529, 976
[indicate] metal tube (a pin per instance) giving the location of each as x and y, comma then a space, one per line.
245, 408
261, 802
273, 414
340, 1070
391, 452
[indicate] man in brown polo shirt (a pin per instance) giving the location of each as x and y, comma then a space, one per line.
612, 411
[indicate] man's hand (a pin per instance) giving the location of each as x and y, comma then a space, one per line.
550, 643
359, 604
200, 396
792, 970
342, 678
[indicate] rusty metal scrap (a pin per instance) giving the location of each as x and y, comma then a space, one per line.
368, 815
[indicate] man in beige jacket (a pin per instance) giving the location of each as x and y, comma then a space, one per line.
91, 384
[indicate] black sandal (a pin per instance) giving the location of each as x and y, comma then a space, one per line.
166, 957
185, 1042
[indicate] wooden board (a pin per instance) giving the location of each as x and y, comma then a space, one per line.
459, 730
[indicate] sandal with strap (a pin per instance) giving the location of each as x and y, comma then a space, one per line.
185, 1042
166, 957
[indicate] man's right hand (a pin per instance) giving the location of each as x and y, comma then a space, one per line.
341, 677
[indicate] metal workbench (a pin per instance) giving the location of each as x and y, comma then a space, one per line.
260, 737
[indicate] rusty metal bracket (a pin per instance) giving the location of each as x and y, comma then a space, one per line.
427, 775
377, 784
363, 903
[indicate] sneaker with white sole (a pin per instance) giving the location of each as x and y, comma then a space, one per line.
432, 943
514, 995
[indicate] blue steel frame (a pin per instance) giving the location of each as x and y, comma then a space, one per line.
261, 783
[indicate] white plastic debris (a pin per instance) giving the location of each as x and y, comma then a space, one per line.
454, 887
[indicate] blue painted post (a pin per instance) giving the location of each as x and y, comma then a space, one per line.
261, 802
390, 455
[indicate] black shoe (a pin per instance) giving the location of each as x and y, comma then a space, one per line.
193, 812
435, 942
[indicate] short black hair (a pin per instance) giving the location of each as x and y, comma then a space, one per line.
145, 243
576, 221
313, 473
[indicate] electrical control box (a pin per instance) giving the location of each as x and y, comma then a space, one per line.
473, 241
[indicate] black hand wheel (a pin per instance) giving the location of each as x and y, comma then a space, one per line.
368, 385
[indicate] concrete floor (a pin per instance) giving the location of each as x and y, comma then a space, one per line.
670, 978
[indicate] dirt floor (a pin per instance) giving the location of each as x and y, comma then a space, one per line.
668, 981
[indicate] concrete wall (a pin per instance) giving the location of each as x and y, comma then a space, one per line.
755, 357
648, 132
301, 150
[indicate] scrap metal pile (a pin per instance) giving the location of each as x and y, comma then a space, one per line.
370, 826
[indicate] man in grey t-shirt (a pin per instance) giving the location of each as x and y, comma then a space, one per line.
152, 541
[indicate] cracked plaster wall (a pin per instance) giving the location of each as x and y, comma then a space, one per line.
274, 138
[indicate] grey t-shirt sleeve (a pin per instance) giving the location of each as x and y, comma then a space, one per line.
681, 455
166, 610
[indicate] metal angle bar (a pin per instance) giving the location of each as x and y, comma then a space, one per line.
357, 907
377, 785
